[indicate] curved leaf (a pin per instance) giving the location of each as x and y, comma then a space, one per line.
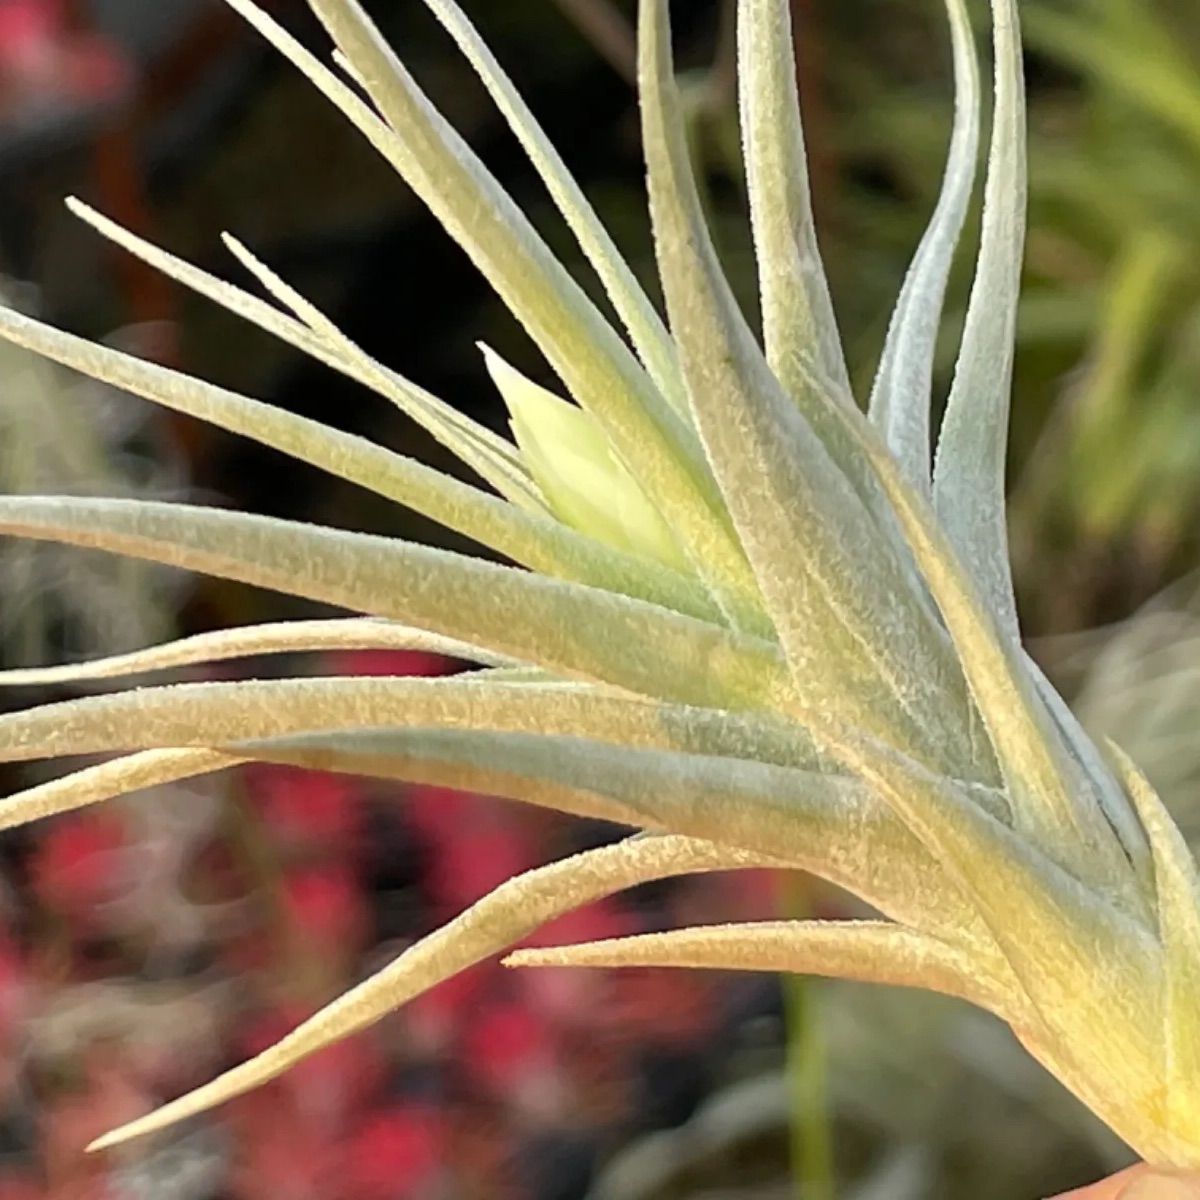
828, 825
1079, 956
532, 539
1178, 907
969, 476
858, 642
598, 369
107, 780
286, 637
645, 326
869, 951
900, 401
1050, 800
217, 714
569, 629
513, 911
799, 325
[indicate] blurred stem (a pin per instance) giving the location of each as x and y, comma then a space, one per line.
609, 32
811, 1124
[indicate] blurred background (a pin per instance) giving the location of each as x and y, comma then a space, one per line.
148, 944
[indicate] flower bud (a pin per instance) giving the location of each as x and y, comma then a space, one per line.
584, 482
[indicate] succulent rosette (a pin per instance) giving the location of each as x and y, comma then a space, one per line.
744, 617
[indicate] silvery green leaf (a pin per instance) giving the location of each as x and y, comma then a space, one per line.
969, 475
1177, 886
799, 324
826, 824
902, 395
412, 756
572, 630
803, 349
645, 326
283, 637
492, 458
1095, 773
218, 714
1081, 961
858, 642
528, 538
1037, 770
513, 911
598, 369
107, 780
869, 951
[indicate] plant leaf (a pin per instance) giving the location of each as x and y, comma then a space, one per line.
597, 368
514, 910
1081, 959
107, 780
285, 637
828, 825
645, 326
869, 951
535, 541
902, 395
850, 626
566, 628
217, 714
1050, 801
799, 325
489, 455
585, 484
1178, 904
1108, 793
968, 481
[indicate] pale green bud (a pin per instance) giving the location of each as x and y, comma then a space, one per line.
583, 480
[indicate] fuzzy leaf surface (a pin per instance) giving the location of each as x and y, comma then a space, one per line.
513, 911
799, 324
902, 395
569, 629
969, 473
858, 643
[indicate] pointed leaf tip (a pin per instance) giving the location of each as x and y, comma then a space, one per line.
969, 471
514, 910
579, 472
902, 393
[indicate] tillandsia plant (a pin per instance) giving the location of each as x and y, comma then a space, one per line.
781, 635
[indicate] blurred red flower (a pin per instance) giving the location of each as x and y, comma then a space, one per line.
78, 864
327, 909
396, 1154
42, 60
474, 861
307, 811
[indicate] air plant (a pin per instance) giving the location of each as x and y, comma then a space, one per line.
784, 637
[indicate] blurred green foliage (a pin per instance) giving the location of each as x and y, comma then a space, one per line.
1116, 258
